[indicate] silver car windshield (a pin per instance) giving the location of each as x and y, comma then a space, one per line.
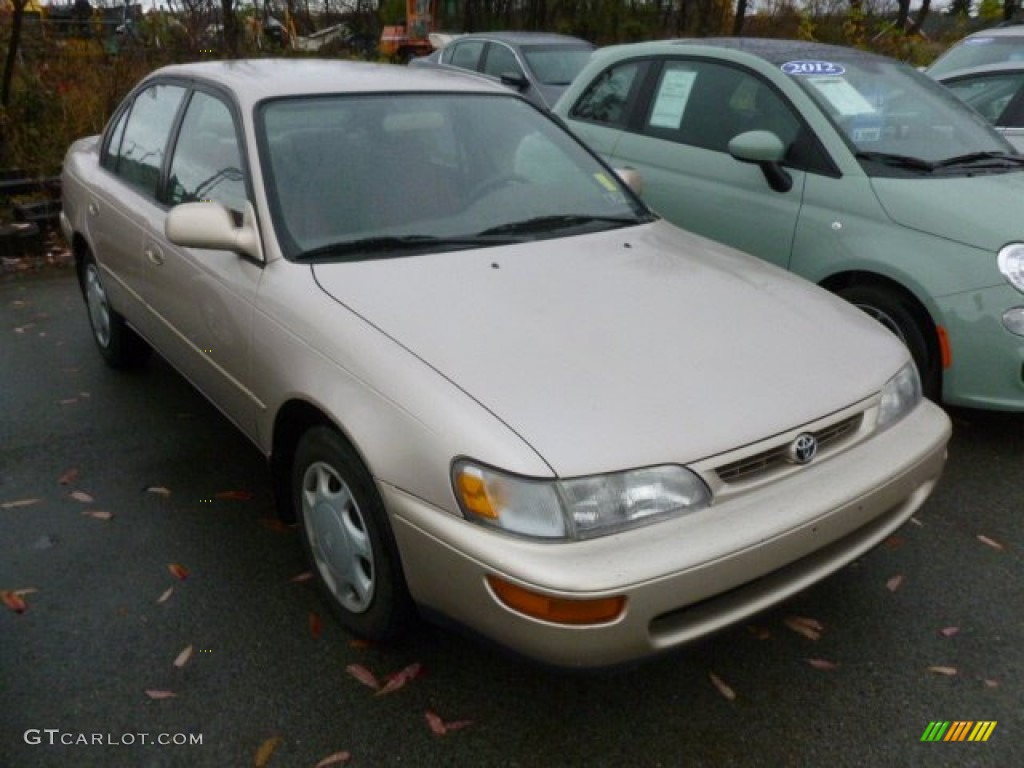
374, 176
896, 118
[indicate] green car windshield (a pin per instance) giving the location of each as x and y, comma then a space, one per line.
886, 110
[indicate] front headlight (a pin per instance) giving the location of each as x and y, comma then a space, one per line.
900, 396
1011, 264
579, 508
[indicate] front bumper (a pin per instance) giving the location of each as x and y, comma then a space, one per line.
987, 368
682, 578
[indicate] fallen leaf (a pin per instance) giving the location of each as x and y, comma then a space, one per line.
68, 477
894, 583
949, 631
722, 687
990, 542
991, 683
809, 628
947, 671
266, 751
159, 490
822, 664
99, 514
304, 576
359, 642
894, 542
336, 759
916, 522
235, 495
400, 678
23, 592
178, 571
166, 594
68, 401
363, 675
183, 658
82, 496
160, 694
440, 727
13, 601
19, 503
315, 625
436, 723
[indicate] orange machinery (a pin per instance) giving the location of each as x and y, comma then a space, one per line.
402, 42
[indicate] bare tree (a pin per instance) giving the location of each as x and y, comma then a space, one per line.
12, 50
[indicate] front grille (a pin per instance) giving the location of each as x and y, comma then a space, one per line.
774, 458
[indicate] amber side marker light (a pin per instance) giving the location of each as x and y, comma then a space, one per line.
556, 609
945, 352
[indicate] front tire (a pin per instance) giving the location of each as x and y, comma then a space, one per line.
118, 344
347, 536
898, 314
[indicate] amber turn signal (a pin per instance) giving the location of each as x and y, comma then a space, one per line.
558, 610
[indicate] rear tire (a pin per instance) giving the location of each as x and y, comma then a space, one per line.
899, 315
118, 344
347, 536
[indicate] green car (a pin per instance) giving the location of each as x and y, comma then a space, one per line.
850, 169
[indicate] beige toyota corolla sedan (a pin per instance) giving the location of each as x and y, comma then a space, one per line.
491, 385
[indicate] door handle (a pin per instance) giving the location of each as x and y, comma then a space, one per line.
155, 255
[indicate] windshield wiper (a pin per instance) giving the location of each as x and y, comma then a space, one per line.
982, 159
897, 161
375, 247
540, 224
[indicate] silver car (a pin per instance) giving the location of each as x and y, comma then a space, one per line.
490, 385
997, 92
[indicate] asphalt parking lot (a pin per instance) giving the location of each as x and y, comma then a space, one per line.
151, 596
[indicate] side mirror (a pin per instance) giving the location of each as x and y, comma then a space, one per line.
632, 179
764, 149
210, 225
513, 80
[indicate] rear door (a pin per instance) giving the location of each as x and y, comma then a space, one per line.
119, 207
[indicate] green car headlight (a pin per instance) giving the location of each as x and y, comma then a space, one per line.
579, 508
900, 396
1011, 263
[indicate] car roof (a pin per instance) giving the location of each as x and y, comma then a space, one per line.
253, 80
982, 69
778, 51
524, 38
1015, 29
771, 50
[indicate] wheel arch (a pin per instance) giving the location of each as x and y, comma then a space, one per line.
844, 280
294, 418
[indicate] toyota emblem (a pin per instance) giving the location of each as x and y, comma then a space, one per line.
803, 449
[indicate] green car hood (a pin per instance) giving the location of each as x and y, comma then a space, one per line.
985, 211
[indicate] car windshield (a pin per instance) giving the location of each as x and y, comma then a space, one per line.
556, 64
374, 175
897, 120
978, 51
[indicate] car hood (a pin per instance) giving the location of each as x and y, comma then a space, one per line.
625, 348
985, 211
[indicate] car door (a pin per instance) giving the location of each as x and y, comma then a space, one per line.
679, 143
204, 299
132, 156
